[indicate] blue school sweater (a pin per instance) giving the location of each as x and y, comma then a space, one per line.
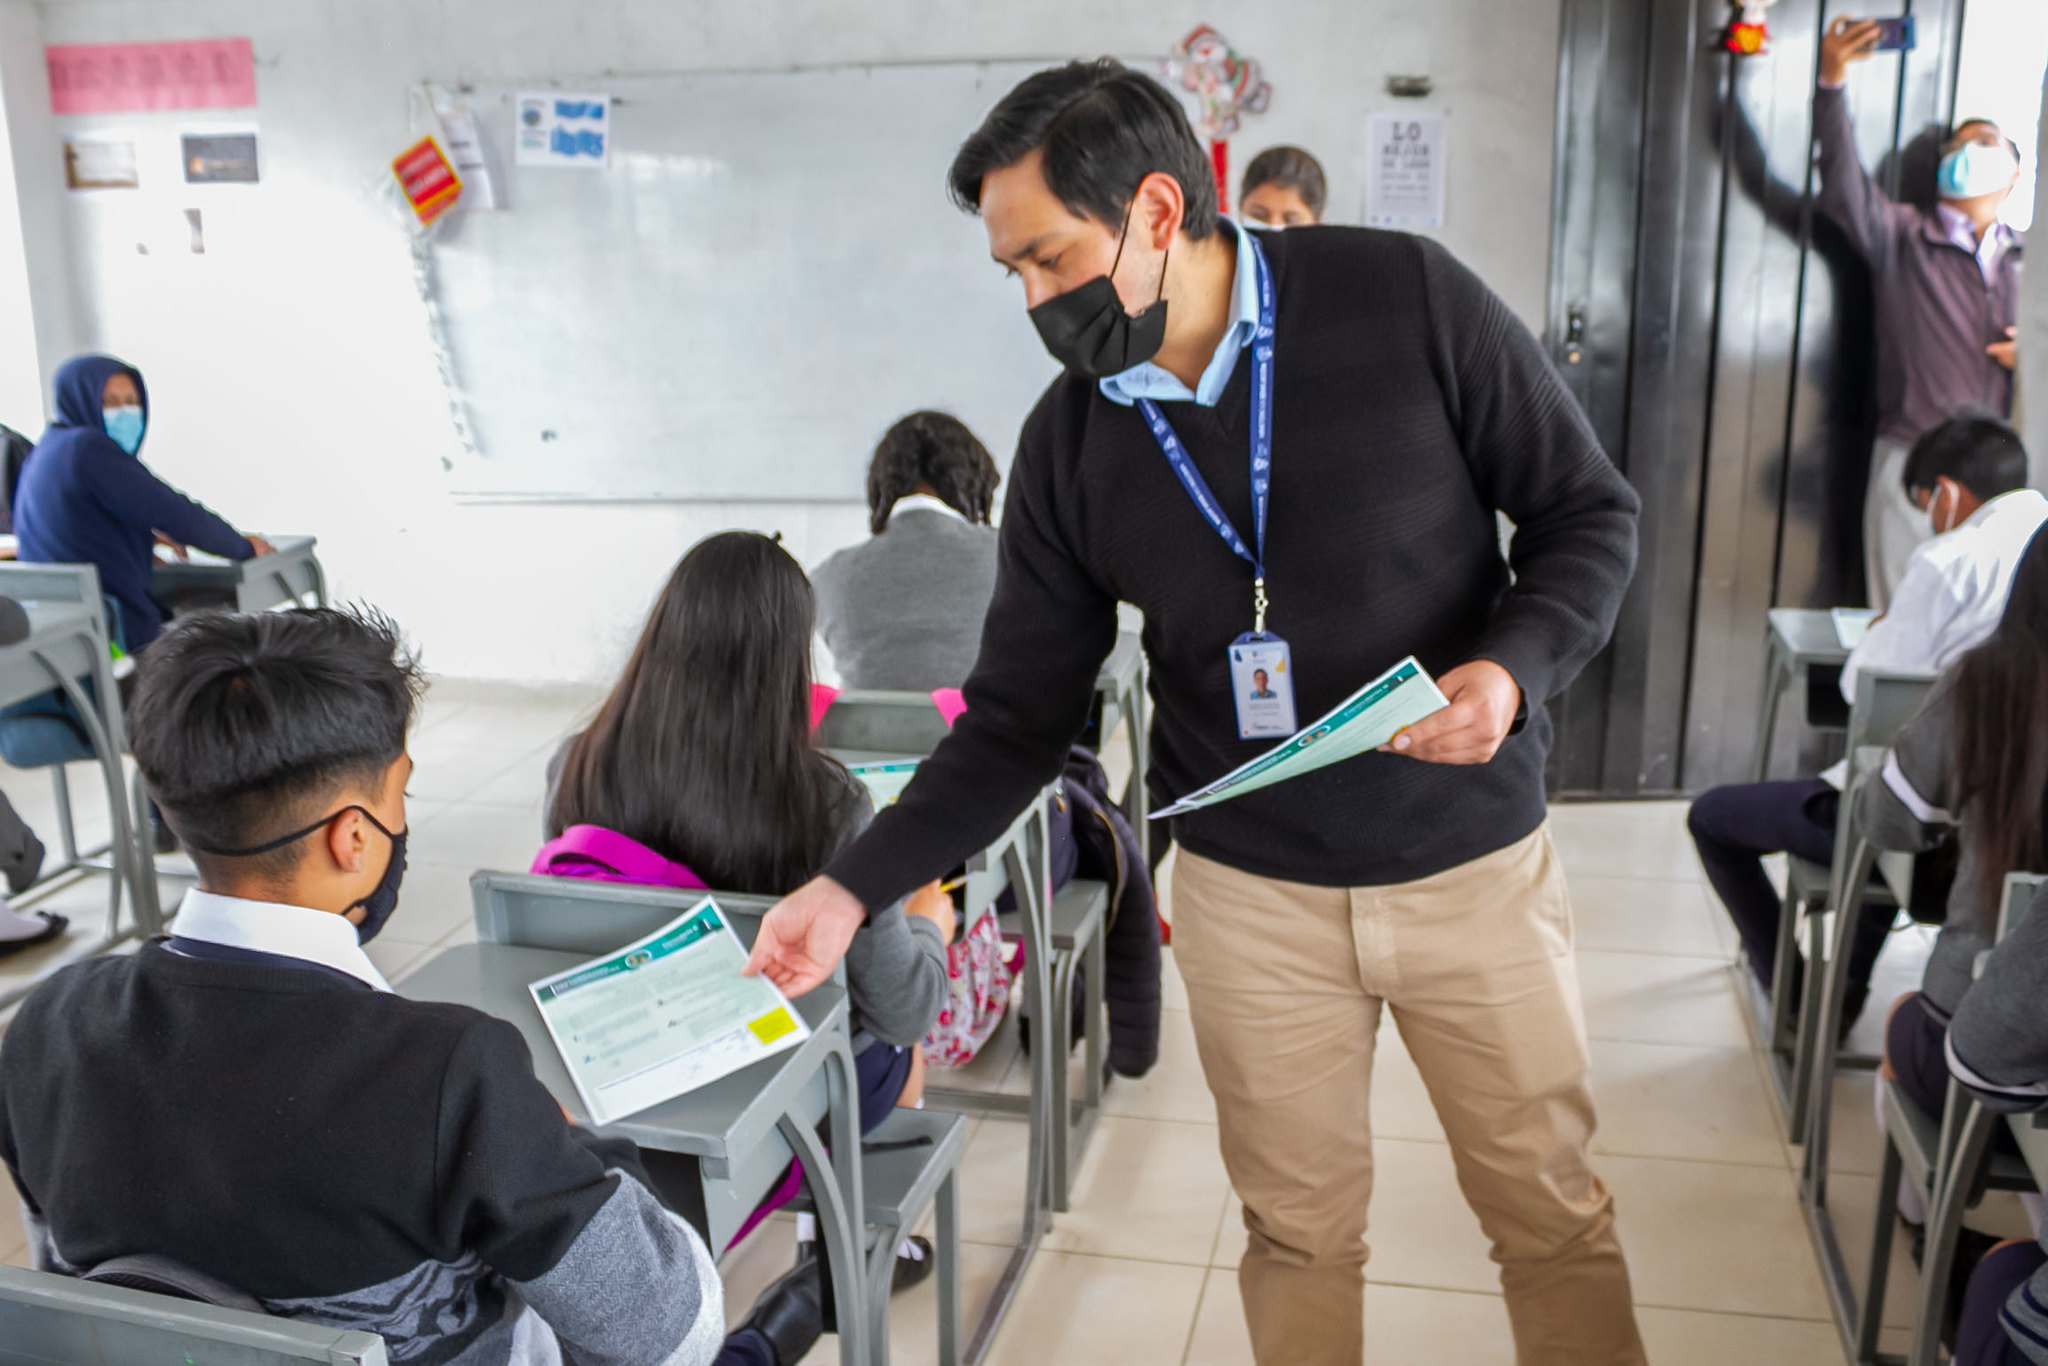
84, 500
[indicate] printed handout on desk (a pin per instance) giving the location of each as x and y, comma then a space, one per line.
1852, 624
664, 1015
1364, 721
886, 779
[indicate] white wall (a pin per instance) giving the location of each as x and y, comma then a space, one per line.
2032, 414
297, 392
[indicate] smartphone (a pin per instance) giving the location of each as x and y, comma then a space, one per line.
1895, 35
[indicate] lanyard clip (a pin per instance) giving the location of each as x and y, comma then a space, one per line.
1259, 605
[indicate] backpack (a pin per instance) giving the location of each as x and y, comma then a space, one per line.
591, 851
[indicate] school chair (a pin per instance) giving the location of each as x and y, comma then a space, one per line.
46, 1318
1885, 700
1951, 1162
889, 724
59, 716
909, 1164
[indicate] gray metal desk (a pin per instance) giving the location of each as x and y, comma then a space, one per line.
741, 1128
67, 642
1800, 638
289, 576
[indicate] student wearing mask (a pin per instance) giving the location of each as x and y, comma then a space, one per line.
1998, 1047
86, 498
903, 611
1972, 763
701, 760
1946, 281
1967, 476
249, 1099
1307, 434
1282, 188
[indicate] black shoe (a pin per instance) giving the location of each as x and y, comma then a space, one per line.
790, 1314
23, 868
913, 1271
53, 925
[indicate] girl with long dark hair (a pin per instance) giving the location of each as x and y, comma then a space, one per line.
701, 762
1973, 763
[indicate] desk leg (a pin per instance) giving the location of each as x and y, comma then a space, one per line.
834, 1181
1777, 671
948, 1270
102, 724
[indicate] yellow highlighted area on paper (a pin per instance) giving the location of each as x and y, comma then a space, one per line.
773, 1025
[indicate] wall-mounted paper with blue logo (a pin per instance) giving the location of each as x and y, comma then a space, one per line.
563, 128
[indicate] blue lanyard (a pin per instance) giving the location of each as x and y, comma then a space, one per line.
1262, 449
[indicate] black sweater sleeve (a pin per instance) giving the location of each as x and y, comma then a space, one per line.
1534, 457
1048, 629
520, 1178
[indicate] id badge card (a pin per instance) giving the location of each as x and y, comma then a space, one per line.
1262, 684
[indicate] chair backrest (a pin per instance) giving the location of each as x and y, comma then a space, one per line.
164, 1276
2020, 890
46, 1318
577, 915
1885, 700
50, 582
882, 723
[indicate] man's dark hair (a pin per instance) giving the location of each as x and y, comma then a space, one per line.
242, 723
1290, 168
1957, 131
1103, 128
938, 451
1977, 450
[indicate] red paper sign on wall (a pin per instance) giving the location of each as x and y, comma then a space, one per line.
123, 78
427, 178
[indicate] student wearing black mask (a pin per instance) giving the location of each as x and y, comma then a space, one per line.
248, 1098
1306, 435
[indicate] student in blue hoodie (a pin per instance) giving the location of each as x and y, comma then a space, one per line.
85, 498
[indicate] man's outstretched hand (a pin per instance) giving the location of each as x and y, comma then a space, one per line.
1483, 699
805, 934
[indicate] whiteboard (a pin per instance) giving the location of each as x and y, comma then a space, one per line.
766, 276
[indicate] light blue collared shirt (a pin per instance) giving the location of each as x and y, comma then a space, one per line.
1149, 381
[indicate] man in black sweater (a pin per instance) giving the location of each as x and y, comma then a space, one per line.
1391, 405
247, 1098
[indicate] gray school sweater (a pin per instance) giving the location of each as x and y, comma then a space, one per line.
903, 611
1998, 1047
1909, 805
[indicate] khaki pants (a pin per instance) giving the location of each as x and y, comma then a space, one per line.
1285, 982
1892, 526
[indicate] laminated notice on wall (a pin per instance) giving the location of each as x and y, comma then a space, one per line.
561, 128
1404, 170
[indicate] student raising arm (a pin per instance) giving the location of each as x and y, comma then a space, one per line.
86, 498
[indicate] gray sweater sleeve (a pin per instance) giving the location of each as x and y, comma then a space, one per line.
1908, 805
896, 965
1998, 1040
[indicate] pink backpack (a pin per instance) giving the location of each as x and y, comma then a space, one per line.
592, 851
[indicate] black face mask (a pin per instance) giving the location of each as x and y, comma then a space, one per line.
383, 898
1087, 330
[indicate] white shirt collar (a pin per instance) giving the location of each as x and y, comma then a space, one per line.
924, 502
272, 927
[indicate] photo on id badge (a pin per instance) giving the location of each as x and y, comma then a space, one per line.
1262, 683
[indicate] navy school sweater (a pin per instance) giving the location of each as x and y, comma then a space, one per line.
1409, 406
344, 1155
84, 500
